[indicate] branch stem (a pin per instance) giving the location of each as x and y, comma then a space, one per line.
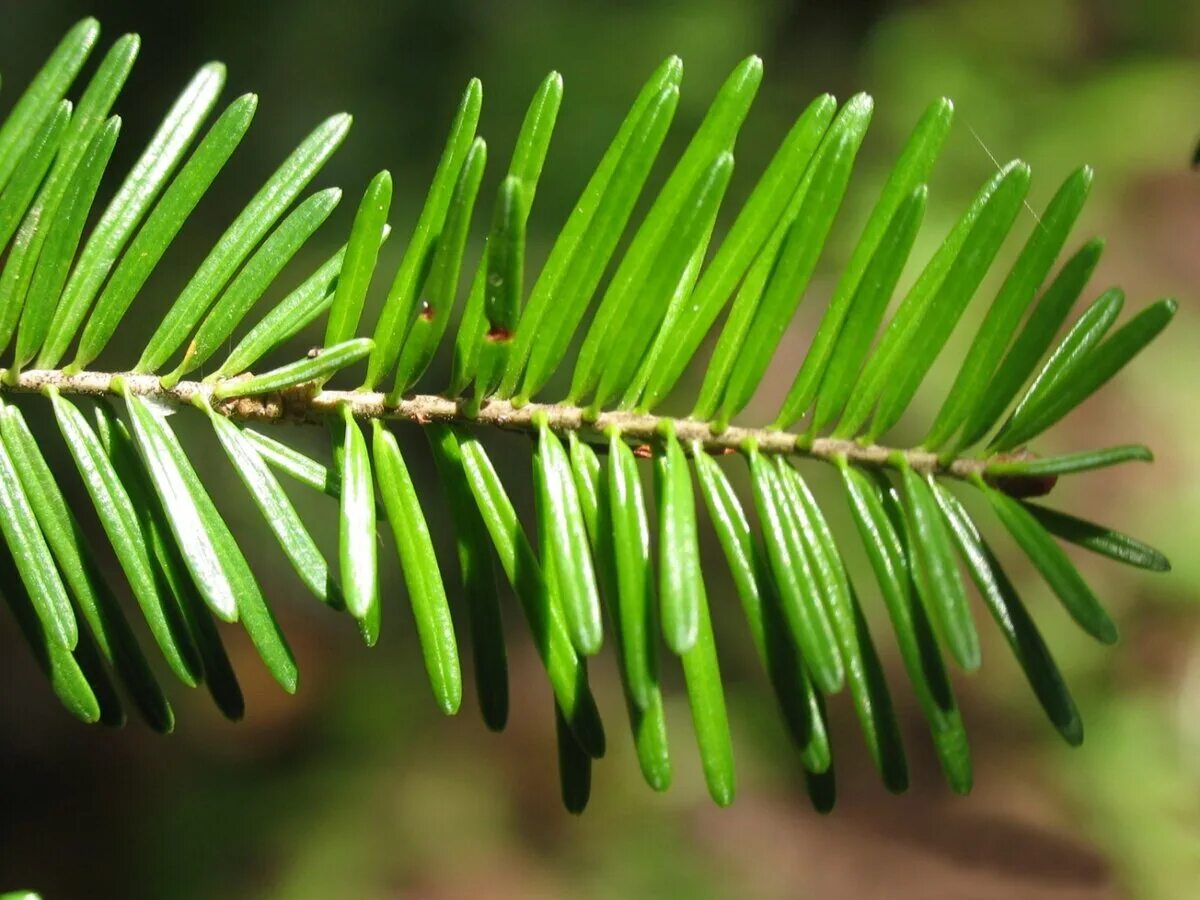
307, 405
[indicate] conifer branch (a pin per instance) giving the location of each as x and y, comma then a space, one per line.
307, 404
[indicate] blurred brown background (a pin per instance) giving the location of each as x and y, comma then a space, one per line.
358, 788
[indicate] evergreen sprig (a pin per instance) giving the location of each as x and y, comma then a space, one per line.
594, 553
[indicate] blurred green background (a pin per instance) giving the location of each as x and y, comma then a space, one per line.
358, 788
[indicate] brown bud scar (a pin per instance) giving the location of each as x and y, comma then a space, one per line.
1021, 487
